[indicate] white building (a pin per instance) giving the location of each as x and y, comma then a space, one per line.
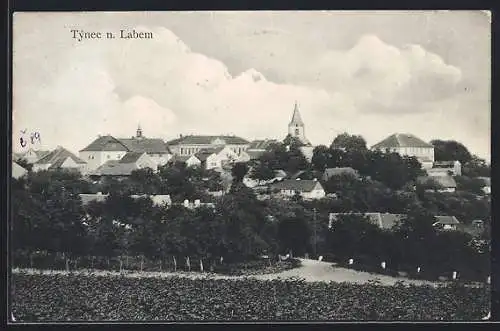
307, 189
193, 144
60, 159
107, 148
408, 145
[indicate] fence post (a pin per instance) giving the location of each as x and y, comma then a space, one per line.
121, 264
67, 264
161, 263
175, 264
126, 262
92, 262
76, 263
201, 265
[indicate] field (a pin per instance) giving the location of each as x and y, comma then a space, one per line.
79, 297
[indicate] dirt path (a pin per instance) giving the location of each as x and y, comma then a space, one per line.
310, 271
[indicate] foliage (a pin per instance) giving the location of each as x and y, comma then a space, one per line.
450, 150
476, 167
349, 142
39, 298
25, 164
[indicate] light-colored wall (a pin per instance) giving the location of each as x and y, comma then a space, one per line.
160, 159
40, 167
190, 149
96, 159
146, 162
297, 131
193, 162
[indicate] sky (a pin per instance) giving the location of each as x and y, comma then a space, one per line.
370, 73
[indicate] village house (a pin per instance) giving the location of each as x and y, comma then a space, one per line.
188, 160
445, 168
193, 144
408, 145
60, 159
31, 155
442, 184
258, 147
330, 172
446, 223
107, 148
217, 158
18, 171
123, 167
307, 189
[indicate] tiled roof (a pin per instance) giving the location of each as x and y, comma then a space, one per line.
447, 220
180, 158
444, 181
57, 157
205, 153
329, 172
156, 146
207, 140
131, 157
298, 174
297, 185
261, 144
115, 168
106, 143
17, 170
401, 140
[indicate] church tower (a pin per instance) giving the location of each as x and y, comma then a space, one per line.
296, 127
138, 134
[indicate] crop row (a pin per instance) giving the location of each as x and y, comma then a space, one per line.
46, 298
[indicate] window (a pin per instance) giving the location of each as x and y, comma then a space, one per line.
109, 156
297, 132
182, 150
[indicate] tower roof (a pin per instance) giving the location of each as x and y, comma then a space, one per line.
296, 119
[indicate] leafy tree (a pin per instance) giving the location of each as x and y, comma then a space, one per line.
450, 150
472, 185
238, 171
321, 157
476, 167
349, 142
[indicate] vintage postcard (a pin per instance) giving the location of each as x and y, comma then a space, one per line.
251, 166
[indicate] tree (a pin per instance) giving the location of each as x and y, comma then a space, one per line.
476, 167
349, 142
321, 158
472, 185
238, 171
450, 150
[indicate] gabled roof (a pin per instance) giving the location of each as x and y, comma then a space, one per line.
182, 158
296, 119
131, 157
280, 173
298, 174
203, 154
145, 145
207, 140
106, 143
329, 172
115, 168
401, 140
297, 185
444, 181
448, 220
261, 144
57, 157
17, 170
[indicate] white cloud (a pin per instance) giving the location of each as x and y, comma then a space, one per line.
110, 86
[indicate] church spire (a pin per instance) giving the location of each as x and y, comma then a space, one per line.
296, 119
139, 131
